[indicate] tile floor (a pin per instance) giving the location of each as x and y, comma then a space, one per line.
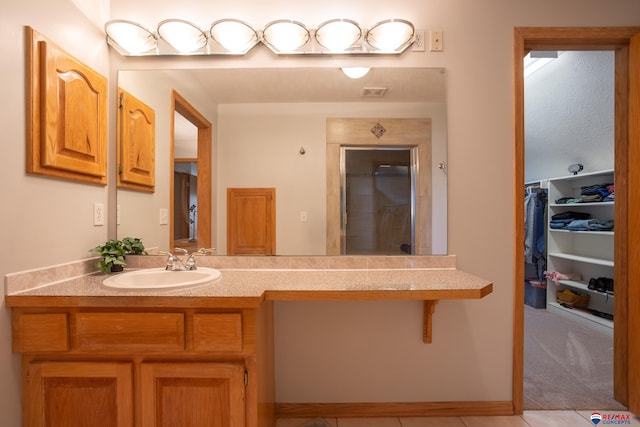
528, 419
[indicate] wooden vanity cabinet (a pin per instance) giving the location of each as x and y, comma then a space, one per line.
138, 367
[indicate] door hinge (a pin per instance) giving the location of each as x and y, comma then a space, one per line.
246, 378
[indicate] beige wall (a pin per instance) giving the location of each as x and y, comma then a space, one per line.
45, 221
42, 221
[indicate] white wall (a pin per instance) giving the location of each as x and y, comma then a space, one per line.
45, 221
569, 115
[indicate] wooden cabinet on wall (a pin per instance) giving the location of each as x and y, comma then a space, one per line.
136, 144
128, 367
67, 113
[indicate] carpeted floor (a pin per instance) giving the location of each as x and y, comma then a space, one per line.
566, 365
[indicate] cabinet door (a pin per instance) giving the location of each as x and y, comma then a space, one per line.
193, 394
67, 115
136, 144
79, 394
251, 221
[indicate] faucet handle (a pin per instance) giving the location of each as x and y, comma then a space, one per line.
190, 264
174, 263
205, 251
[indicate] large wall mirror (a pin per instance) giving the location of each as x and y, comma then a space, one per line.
269, 130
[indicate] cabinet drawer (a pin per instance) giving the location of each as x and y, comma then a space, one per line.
130, 331
217, 332
40, 332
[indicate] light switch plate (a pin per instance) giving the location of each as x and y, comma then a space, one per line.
164, 216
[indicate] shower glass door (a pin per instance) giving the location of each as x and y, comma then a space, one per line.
378, 197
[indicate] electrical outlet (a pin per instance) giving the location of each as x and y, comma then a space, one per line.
435, 41
418, 44
303, 216
98, 213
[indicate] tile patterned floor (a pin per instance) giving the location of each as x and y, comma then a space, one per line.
528, 419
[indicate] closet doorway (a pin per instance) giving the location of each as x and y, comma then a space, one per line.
625, 42
569, 124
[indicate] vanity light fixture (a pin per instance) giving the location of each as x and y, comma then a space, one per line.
338, 35
355, 72
391, 35
283, 37
184, 36
130, 38
234, 35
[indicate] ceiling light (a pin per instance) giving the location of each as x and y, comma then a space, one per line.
285, 36
390, 35
355, 72
338, 34
234, 35
133, 38
184, 36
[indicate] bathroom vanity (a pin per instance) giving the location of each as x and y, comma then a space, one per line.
203, 354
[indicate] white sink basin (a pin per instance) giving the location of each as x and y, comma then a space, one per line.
159, 278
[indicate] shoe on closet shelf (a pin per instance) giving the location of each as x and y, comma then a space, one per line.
601, 284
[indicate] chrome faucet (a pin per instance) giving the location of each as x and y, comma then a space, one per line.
190, 263
174, 263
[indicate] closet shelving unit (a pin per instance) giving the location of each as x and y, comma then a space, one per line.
589, 253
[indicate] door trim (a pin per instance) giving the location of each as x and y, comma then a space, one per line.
180, 105
399, 132
627, 143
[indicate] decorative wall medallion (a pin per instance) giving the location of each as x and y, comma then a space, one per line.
378, 130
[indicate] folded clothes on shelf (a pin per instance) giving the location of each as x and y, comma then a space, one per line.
590, 225
590, 194
571, 215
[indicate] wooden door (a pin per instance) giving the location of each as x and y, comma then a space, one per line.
79, 394
181, 200
193, 394
251, 221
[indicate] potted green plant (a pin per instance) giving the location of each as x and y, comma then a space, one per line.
112, 253
133, 246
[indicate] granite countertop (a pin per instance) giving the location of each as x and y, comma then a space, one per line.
248, 287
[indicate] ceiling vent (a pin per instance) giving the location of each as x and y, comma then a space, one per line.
373, 92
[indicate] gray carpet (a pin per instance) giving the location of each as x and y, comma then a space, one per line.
566, 365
